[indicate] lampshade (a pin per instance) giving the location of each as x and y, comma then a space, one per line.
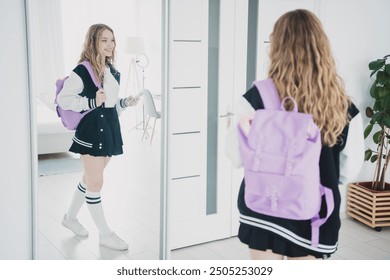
134, 45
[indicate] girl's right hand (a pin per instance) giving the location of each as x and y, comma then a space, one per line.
100, 97
245, 123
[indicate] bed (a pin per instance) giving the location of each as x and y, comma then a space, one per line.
52, 137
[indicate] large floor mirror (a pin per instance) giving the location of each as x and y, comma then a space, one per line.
56, 31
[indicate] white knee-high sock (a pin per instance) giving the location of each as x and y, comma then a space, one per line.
95, 208
77, 201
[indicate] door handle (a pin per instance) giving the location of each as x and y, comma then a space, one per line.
228, 114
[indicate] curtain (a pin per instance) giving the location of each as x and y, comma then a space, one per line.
46, 47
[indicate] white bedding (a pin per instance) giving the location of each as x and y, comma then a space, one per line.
53, 137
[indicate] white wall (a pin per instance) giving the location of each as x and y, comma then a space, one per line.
15, 172
358, 33
126, 18
59, 28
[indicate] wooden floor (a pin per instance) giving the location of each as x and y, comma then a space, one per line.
132, 210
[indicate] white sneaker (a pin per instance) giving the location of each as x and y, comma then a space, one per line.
75, 227
113, 242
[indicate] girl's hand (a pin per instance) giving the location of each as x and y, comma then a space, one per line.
100, 97
131, 101
245, 123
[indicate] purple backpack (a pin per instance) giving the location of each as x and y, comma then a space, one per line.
280, 151
71, 119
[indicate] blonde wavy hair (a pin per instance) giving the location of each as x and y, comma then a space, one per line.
302, 66
91, 50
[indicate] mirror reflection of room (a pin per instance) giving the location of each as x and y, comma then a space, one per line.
129, 185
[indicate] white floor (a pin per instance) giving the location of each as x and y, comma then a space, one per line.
356, 242
131, 202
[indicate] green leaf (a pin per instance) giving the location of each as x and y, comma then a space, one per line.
367, 154
384, 93
376, 64
367, 131
386, 103
386, 121
374, 158
374, 91
377, 137
377, 106
380, 76
381, 92
386, 76
387, 68
377, 118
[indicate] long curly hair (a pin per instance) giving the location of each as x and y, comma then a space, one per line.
91, 50
302, 66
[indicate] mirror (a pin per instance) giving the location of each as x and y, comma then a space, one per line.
131, 191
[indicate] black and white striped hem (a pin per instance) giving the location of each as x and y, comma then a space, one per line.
287, 234
82, 143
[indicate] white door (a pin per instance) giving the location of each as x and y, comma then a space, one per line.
206, 68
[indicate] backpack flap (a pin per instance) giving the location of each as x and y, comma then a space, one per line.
281, 138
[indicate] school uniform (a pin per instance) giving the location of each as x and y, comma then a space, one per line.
99, 132
338, 165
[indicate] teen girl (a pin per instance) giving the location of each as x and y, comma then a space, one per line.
98, 135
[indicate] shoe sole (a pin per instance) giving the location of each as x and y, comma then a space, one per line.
77, 235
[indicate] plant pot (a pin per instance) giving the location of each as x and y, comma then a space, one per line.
369, 206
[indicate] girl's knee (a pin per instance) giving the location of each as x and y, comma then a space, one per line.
94, 184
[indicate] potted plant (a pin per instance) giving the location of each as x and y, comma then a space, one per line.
369, 202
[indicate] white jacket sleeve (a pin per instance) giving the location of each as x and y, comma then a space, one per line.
352, 156
242, 108
69, 99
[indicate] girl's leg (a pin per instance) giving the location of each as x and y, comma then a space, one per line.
93, 171
264, 255
77, 200
70, 218
94, 168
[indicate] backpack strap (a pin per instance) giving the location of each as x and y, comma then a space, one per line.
87, 65
316, 222
268, 93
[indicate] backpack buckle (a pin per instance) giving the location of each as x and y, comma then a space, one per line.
290, 159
